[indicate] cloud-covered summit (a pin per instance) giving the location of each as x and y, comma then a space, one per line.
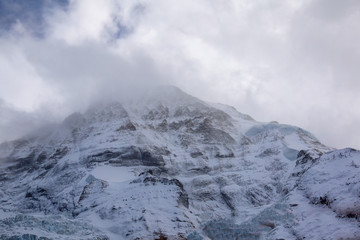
291, 61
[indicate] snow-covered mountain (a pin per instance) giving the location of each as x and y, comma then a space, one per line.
167, 165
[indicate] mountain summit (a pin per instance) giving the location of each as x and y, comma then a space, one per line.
166, 165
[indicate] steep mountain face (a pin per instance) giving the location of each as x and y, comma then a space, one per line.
169, 166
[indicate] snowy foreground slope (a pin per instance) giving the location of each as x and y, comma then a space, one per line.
169, 166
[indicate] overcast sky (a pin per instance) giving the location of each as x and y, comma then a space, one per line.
296, 62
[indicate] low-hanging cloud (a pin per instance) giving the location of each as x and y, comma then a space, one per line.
291, 61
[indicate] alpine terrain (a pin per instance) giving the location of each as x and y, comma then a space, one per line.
166, 165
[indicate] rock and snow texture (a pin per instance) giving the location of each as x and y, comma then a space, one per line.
333, 186
167, 165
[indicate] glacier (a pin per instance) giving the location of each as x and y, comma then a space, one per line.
166, 165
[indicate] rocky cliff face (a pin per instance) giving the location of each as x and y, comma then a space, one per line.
169, 166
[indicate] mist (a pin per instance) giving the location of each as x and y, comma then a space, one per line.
293, 62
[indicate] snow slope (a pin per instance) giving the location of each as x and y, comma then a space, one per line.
168, 165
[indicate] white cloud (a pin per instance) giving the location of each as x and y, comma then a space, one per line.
85, 20
20, 83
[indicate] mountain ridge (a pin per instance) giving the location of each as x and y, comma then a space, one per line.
170, 165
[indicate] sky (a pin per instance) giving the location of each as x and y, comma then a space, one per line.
293, 61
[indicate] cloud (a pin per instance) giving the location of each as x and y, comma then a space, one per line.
291, 61
16, 123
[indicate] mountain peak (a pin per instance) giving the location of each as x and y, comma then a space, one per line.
165, 164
